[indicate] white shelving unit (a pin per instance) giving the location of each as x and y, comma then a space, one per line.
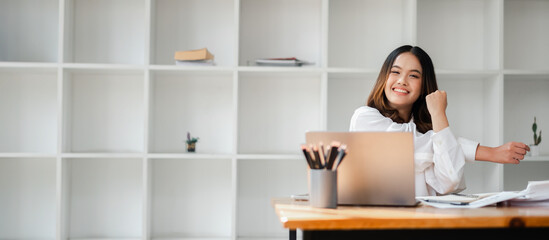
103, 31
28, 198
95, 113
197, 102
181, 208
28, 101
280, 28
103, 111
104, 197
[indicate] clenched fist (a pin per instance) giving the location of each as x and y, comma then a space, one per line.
436, 104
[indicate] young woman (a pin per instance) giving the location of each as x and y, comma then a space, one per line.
406, 98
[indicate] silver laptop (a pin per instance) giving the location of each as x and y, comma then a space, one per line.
377, 170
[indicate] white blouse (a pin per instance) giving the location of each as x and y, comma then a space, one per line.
439, 157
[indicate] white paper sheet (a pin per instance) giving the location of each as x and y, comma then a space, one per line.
536, 192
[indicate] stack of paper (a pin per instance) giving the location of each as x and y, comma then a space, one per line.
536, 193
288, 62
198, 57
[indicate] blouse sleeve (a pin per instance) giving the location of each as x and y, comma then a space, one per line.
469, 148
446, 172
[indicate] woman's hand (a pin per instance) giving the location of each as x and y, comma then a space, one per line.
511, 152
436, 104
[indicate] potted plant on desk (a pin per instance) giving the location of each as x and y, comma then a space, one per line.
191, 142
534, 149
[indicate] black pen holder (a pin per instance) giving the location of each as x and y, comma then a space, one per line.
323, 188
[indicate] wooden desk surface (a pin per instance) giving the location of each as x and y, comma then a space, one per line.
299, 215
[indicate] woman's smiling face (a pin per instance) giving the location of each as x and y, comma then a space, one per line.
403, 86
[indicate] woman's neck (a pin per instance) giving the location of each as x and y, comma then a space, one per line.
405, 114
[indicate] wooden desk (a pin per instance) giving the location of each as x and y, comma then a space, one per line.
347, 222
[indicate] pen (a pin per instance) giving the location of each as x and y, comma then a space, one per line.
466, 195
447, 202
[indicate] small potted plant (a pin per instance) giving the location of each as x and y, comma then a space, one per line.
534, 150
191, 142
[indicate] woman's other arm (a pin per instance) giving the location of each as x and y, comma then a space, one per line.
511, 152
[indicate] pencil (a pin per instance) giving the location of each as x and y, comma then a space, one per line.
323, 160
307, 156
332, 155
314, 160
317, 157
340, 155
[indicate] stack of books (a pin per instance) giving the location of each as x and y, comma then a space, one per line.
198, 57
284, 62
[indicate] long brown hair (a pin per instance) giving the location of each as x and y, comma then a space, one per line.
420, 113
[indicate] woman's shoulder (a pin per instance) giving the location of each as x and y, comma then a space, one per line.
368, 119
367, 110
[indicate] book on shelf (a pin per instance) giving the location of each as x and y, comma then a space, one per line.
197, 57
287, 62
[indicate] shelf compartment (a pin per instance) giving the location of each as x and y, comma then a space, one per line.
28, 103
355, 26
275, 110
460, 34
28, 198
196, 102
526, 97
103, 111
472, 102
346, 93
280, 28
474, 108
525, 32
105, 31
190, 198
258, 183
200, 24
104, 198
29, 31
